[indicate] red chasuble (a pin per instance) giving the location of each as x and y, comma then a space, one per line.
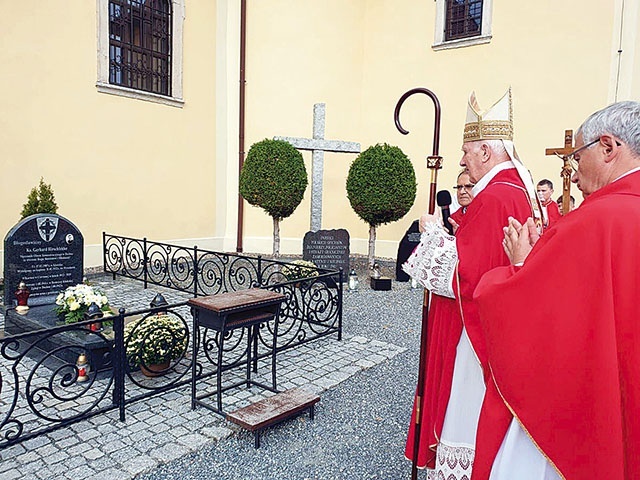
563, 337
479, 245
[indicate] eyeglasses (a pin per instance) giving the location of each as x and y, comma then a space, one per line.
466, 186
572, 156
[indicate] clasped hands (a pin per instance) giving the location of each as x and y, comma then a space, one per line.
519, 239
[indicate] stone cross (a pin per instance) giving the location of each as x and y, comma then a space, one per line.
566, 172
318, 145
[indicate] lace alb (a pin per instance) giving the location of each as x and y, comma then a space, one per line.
433, 262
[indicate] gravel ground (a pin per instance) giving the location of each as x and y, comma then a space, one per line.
360, 426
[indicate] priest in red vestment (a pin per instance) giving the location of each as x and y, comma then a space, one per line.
562, 325
464, 196
450, 268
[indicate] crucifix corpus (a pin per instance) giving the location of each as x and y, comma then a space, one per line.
566, 172
318, 145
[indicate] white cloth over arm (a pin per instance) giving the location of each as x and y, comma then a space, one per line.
434, 260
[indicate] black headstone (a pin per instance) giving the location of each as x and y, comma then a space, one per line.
327, 249
46, 252
408, 243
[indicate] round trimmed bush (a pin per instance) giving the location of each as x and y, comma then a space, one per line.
274, 177
381, 185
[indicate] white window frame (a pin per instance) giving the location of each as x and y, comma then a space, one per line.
441, 18
103, 85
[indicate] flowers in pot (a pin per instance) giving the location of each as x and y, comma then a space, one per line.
152, 342
300, 269
73, 303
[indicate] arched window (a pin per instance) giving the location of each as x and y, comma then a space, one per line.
464, 19
140, 45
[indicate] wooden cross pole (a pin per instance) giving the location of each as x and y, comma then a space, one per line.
566, 172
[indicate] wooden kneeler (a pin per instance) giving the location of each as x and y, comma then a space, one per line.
270, 411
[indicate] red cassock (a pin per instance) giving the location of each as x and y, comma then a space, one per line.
479, 245
563, 337
553, 212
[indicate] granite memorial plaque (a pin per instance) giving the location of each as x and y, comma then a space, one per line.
408, 243
327, 249
46, 252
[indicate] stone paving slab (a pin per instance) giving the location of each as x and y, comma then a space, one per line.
164, 428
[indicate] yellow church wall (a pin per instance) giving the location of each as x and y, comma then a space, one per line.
625, 61
139, 168
117, 164
311, 54
361, 57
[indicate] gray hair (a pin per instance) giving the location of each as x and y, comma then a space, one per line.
622, 120
496, 145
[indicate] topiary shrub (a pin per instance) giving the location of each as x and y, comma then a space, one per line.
274, 178
381, 187
40, 200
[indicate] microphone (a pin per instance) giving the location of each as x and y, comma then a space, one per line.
443, 199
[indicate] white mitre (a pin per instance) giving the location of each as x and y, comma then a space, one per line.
496, 123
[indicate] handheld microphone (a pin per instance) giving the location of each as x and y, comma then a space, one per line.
443, 199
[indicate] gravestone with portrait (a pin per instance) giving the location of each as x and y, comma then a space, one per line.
409, 242
46, 251
328, 249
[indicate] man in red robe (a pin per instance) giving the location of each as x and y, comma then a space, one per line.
464, 196
550, 210
562, 326
450, 267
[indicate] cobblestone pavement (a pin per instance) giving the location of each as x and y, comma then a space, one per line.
164, 429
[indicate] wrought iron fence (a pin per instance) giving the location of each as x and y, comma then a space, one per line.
313, 305
44, 387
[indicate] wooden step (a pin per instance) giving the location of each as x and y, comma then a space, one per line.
275, 409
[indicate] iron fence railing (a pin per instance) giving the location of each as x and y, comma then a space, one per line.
44, 387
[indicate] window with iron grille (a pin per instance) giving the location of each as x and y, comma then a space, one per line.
140, 45
464, 19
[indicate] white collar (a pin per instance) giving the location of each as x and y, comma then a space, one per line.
633, 170
484, 181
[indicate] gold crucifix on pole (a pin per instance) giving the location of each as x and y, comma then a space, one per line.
566, 172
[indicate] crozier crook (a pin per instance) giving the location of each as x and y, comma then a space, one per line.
434, 163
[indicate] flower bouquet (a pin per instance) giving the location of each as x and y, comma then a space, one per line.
155, 340
74, 302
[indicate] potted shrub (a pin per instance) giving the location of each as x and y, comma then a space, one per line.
381, 187
154, 341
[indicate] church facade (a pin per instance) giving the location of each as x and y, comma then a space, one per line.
131, 109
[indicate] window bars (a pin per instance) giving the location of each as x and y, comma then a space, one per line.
140, 45
464, 19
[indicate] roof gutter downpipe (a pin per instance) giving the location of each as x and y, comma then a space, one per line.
243, 47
